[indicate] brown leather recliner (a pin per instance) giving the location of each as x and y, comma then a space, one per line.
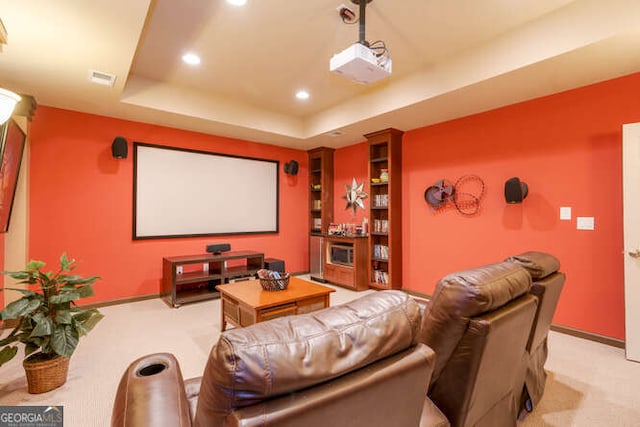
357, 364
548, 282
478, 323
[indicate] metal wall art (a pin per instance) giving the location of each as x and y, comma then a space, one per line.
464, 195
355, 195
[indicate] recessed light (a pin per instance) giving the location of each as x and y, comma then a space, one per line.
237, 2
302, 94
191, 58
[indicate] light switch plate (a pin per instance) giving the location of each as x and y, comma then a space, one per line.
585, 223
565, 213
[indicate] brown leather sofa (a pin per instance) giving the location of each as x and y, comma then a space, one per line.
357, 364
548, 282
478, 322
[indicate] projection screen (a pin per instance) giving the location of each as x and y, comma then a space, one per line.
188, 193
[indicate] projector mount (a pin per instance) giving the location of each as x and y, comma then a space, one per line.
362, 20
378, 46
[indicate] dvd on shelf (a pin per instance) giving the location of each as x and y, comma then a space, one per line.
380, 276
380, 226
381, 251
381, 200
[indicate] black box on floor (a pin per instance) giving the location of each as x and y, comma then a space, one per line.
274, 264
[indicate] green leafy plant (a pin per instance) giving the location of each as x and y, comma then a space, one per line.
48, 317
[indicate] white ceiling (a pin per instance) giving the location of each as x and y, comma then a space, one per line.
450, 58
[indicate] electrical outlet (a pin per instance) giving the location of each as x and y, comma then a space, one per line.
205, 266
179, 269
585, 223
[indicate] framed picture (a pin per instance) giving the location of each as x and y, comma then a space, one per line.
11, 148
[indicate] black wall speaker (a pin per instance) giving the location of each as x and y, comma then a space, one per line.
119, 148
291, 168
515, 190
218, 248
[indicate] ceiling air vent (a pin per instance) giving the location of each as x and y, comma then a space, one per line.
102, 78
335, 133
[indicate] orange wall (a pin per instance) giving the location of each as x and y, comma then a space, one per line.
81, 201
568, 149
348, 163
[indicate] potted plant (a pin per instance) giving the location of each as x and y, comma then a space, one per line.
49, 323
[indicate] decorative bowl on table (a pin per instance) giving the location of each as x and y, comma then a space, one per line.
273, 280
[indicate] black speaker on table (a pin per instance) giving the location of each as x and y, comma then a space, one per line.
218, 248
291, 168
274, 264
119, 148
515, 190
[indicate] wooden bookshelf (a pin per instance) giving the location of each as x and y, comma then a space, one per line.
321, 189
385, 209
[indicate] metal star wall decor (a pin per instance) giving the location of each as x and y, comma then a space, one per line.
355, 195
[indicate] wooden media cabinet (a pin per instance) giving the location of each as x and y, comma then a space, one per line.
191, 278
349, 273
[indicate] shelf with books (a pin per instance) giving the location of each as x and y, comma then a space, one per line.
380, 252
380, 276
385, 212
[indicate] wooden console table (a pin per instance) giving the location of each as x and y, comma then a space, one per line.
246, 303
191, 278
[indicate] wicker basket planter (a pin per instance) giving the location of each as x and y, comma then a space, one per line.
47, 321
45, 375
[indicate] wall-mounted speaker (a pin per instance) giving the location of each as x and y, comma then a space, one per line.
515, 190
119, 148
291, 168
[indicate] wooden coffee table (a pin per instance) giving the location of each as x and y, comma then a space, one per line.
246, 303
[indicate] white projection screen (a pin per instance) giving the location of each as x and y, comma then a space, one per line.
188, 193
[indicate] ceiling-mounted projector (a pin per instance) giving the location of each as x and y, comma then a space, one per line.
362, 62
359, 63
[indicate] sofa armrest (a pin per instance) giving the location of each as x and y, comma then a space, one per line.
151, 393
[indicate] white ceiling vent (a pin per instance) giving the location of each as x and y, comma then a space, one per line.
102, 78
335, 133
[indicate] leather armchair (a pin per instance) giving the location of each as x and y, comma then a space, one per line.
548, 282
357, 364
478, 323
